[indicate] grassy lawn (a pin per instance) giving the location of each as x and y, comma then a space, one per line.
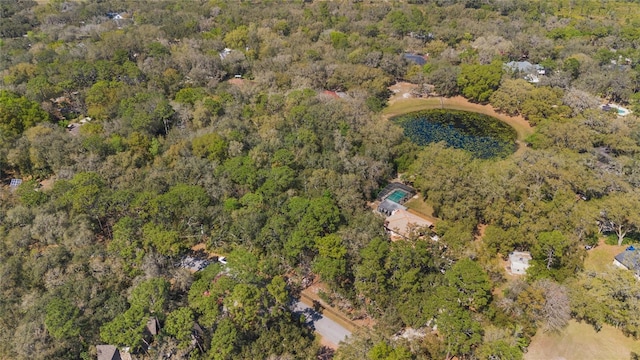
601, 257
580, 341
404, 106
418, 205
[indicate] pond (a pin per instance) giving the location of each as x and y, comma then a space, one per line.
482, 135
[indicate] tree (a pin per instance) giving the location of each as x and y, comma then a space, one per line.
511, 96
224, 341
17, 114
620, 214
478, 82
126, 329
151, 296
371, 275
579, 100
554, 256
62, 319
471, 282
339, 40
499, 349
609, 297
103, 98
179, 324
331, 261
461, 332
237, 38
244, 306
166, 242
445, 80
384, 351
572, 66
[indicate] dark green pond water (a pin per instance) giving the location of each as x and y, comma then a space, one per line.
484, 136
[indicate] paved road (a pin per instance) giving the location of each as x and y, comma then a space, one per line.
330, 330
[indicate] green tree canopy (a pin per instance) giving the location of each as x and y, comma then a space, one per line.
17, 113
478, 82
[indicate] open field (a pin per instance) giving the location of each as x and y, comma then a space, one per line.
601, 257
419, 207
580, 341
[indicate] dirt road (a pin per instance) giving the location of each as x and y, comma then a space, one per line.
331, 331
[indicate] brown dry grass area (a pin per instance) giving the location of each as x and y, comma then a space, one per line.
236, 81
579, 341
481, 229
203, 247
47, 184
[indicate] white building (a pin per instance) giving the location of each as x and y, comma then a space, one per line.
519, 262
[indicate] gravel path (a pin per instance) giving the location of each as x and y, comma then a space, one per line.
330, 330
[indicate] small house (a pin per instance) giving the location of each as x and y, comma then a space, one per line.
530, 71
519, 262
629, 259
404, 224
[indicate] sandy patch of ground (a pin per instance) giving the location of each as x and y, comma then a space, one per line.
236, 81
47, 184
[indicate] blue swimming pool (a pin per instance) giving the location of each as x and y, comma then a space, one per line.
397, 196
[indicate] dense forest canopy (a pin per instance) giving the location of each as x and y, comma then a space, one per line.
143, 128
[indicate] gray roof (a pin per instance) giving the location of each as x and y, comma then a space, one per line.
153, 326
108, 352
630, 258
388, 207
420, 60
193, 264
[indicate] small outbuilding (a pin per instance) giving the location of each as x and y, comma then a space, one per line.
519, 262
153, 326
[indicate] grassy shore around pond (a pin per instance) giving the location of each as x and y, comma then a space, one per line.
400, 105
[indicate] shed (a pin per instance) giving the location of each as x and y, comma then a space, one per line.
153, 326
519, 262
